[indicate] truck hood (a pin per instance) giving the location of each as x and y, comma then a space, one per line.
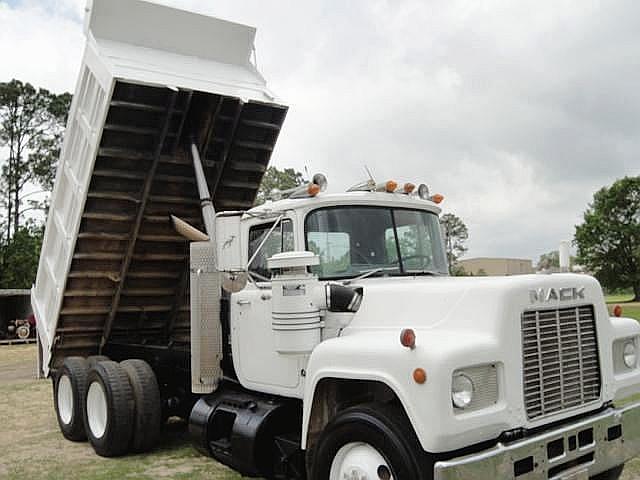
460, 323
481, 303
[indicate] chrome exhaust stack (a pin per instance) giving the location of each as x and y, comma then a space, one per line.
206, 283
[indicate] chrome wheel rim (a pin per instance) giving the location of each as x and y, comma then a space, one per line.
359, 461
97, 409
65, 399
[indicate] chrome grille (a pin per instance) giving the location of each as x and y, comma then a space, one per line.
560, 359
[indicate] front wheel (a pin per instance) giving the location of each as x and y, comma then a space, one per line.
372, 441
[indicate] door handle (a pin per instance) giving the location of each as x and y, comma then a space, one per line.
243, 302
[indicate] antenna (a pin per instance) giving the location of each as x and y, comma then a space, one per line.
366, 169
366, 186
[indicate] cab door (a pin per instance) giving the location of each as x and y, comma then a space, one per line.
258, 365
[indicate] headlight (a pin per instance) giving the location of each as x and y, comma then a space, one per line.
461, 391
629, 354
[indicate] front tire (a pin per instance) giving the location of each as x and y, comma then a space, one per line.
109, 409
69, 385
369, 441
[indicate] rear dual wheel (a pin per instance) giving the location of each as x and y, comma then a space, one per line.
122, 408
116, 406
147, 405
69, 390
69, 387
109, 409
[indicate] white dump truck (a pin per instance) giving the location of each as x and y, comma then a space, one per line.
315, 336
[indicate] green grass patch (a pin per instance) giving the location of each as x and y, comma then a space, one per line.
631, 311
619, 297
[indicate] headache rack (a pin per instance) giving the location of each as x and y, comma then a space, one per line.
112, 268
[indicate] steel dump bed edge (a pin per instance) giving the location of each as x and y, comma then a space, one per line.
152, 77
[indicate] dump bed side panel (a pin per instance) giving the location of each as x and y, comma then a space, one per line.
112, 267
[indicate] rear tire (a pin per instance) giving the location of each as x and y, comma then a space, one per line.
108, 415
92, 360
374, 440
69, 388
148, 406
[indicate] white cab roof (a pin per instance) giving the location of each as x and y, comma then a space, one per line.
396, 200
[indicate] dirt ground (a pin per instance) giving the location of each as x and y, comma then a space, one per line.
32, 447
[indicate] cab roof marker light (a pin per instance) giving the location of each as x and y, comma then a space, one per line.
436, 198
408, 188
313, 189
389, 186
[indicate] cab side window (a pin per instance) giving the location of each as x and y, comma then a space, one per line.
280, 240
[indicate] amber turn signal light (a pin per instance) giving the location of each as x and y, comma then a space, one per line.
419, 376
617, 311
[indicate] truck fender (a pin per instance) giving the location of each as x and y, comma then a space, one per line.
349, 360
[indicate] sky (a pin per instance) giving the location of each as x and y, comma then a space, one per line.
517, 112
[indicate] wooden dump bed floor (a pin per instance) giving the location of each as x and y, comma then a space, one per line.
128, 279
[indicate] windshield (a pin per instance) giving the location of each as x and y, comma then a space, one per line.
352, 241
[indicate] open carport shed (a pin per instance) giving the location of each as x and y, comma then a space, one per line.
14, 304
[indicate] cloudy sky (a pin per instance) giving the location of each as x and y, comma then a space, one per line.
516, 111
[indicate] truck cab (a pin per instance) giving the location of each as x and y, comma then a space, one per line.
354, 235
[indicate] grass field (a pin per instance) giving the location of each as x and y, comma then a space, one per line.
33, 448
619, 298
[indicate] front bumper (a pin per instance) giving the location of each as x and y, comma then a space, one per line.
577, 451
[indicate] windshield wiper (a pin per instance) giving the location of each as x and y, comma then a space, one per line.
368, 273
431, 273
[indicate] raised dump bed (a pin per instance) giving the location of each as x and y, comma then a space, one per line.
112, 268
